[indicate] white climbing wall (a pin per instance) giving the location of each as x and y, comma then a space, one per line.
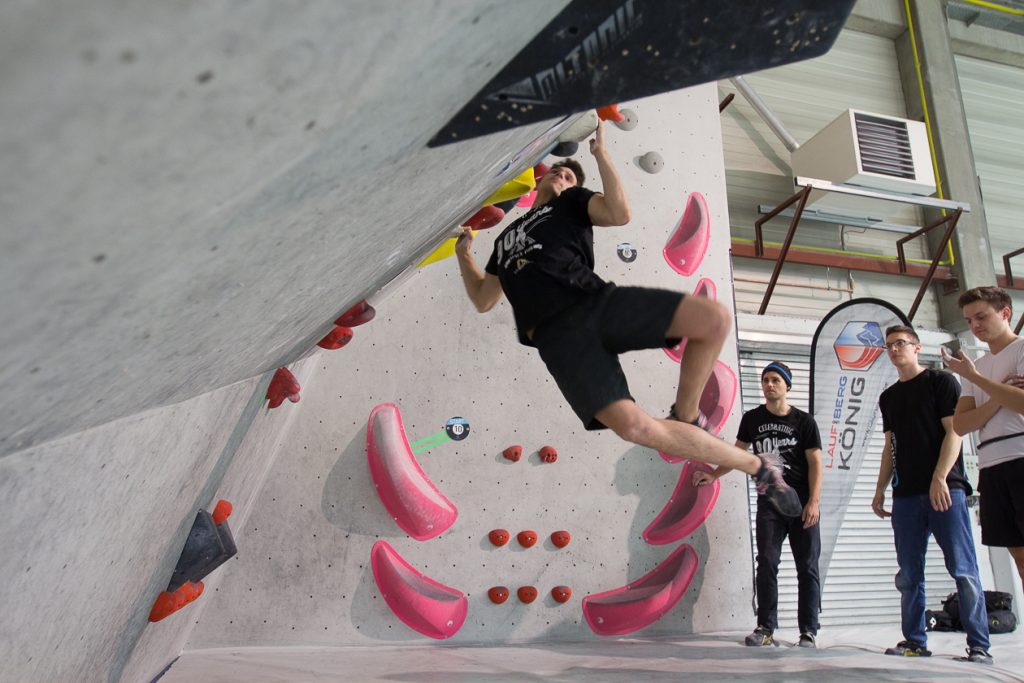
302, 576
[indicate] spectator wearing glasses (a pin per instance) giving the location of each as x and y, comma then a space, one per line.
922, 458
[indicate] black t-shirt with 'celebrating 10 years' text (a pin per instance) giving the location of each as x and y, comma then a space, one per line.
789, 436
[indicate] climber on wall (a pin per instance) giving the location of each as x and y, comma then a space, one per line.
544, 263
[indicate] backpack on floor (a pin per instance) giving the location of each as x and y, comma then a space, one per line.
998, 601
1001, 621
998, 604
940, 620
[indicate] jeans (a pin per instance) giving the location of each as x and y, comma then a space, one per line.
913, 520
772, 529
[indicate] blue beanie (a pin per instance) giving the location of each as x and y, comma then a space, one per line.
775, 366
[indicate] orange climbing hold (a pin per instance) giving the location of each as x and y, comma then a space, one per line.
283, 386
221, 512
513, 453
561, 593
499, 537
487, 217
527, 594
167, 604
361, 313
527, 538
560, 538
610, 112
498, 594
336, 338
548, 454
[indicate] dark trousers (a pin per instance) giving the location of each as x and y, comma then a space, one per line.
772, 530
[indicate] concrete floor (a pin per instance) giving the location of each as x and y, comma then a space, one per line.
852, 654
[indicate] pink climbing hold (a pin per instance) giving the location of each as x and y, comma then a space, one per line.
706, 288
361, 313
527, 199
644, 601
718, 396
715, 401
283, 386
423, 604
487, 217
687, 508
676, 352
336, 338
689, 241
410, 498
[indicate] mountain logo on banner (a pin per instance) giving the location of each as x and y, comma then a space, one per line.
859, 345
846, 380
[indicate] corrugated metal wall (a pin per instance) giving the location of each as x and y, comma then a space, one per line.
993, 97
860, 72
860, 587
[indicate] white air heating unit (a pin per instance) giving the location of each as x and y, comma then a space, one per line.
870, 151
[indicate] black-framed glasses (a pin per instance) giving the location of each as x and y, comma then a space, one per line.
899, 344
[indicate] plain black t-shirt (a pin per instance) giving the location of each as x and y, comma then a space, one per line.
789, 435
545, 259
912, 412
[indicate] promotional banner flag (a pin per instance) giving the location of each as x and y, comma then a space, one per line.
849, 371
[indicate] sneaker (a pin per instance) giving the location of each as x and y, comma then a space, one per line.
700, 421
978, 655
770, 483
906, 648
807, 640
760, 637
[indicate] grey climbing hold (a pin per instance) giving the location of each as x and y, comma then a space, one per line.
652, 162
630, 120
565, 149
580, 129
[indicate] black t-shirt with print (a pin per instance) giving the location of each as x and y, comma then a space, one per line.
912, 413
789, 436
545, 259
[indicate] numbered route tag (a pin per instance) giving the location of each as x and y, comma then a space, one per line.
457, 428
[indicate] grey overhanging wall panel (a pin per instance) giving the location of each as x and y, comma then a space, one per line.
859, 72
993, 96
860, 587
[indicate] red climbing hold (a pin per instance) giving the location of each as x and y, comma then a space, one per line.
540, 170
498, 594
527, 594
164, 606
221, 512
283, 386
487, 217
560, 538
527, 538
513, 453
561, 593
548, 454
336, 338
167, 604
610, 112
499, 537
361, 313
